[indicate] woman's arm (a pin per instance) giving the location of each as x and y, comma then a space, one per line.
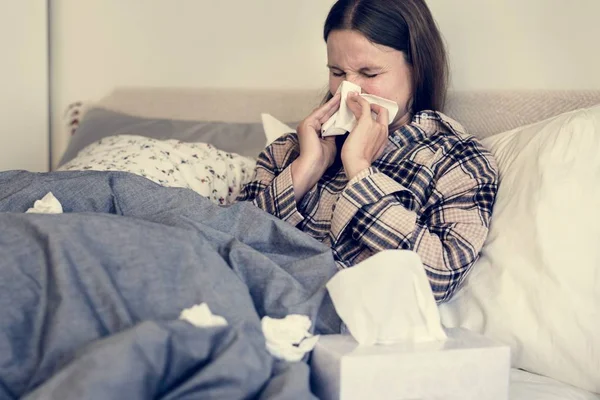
272, 188
292, 165
447, 233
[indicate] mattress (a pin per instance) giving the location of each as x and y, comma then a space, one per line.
528, 386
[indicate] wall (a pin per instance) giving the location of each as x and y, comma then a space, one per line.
521, 44
23, 85
100, 44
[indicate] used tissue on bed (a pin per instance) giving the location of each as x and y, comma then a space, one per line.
46, 205
343, 120
397, 348
288, 338
201, 316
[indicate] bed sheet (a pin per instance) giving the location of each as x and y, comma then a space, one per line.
527, 386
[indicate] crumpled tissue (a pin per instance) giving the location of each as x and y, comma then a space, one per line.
343, 120
201, 316
47, 205
288, 338
387, 299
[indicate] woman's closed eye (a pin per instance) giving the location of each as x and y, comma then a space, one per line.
340, 74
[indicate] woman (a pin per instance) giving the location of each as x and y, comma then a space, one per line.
418, 182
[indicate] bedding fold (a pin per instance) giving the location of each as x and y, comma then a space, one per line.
90, 299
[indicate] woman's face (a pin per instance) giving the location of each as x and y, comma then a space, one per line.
378, 70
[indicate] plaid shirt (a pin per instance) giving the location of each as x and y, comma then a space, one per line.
431, 191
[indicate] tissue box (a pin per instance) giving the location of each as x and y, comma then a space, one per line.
465, 366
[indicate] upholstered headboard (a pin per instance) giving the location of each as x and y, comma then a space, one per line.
483, 113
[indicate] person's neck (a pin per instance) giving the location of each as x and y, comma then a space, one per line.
400, 122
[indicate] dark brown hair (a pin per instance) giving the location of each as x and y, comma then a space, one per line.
404, 25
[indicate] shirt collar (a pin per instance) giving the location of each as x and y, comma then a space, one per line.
424, 124
406, 134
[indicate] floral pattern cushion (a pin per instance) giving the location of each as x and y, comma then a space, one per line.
213, 173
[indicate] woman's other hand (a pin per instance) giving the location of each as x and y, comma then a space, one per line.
316, 153
367, 141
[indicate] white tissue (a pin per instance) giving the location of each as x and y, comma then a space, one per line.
288, 338
47, 205
201, 316
343, 120
387, 299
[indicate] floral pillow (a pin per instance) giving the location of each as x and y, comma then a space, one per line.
213, 173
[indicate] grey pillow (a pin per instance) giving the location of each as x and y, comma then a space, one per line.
246, 139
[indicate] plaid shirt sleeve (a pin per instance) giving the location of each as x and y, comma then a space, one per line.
381, 214
272, 189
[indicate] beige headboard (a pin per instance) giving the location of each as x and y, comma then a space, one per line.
483, 113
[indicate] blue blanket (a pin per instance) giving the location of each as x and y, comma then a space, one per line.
90, 299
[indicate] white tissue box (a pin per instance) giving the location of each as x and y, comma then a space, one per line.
463, 367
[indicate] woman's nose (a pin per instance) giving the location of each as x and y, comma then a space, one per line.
354, 79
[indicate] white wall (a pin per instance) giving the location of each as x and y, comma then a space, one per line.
521, 44
23, 85
508, 44
101, 44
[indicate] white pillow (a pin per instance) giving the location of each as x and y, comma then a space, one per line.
274, 128
536, 286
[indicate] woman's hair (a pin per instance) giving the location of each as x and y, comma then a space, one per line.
404, 25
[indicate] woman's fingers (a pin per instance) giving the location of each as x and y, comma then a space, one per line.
354, 105
383, 116
312, 124
358, 105
323, 113
329, 113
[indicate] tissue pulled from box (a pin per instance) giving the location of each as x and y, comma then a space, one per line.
343, 120
387, 299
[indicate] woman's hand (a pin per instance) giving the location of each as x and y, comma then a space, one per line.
316, 153
367, 141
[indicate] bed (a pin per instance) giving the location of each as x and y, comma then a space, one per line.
527, 386
231, 121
